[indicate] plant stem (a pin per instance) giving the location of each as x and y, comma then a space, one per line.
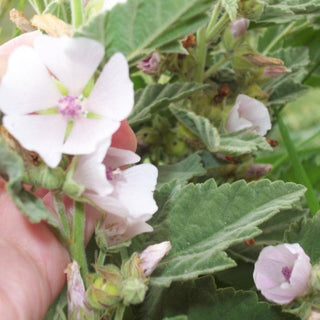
120, 312
279, 37
215, 67
217, 29
101, 258
299, 170
77, 13
214, 16
37, 5
77, 247
58, 203
201, 55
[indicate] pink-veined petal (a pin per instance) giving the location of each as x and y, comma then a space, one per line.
112, 95
43, 134
72, 60
91, 172
27, 86
117, 158
86, 134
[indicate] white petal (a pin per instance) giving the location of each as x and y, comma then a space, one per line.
234, 122
72, 60
112, 95
117, 158
43, 134
86, 134
91, 172
135, 190
27, 86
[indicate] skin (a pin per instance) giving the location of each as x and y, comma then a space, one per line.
33, 260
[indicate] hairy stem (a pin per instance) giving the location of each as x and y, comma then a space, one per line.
201, 54
77, 13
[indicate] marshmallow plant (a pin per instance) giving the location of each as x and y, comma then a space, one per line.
136, 138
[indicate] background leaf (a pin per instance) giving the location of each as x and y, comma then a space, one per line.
231, 6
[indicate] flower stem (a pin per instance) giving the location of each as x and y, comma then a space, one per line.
214, 16
77, 13
298, 169
120, 312
38, 5
101, 258
201, 54
215, 67
217, 29
279, 37
58, 203
77, 247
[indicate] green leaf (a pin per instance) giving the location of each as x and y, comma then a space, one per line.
176, 318
237, 143
157, 96
200, 126
231, 6
12, 169
204, 220
138, 27
60, 9
305, 232
181, 171
229, 304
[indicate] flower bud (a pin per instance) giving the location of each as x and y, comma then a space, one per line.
256, 171
151, 64
76, 293
275, 71
239, 27
105, 287
152, 255
248, 113
133, 291
282, 273
251, 9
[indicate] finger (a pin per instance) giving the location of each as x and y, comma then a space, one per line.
124, 138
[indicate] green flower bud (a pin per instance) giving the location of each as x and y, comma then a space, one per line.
251, 9
173, 145
134, 291
105, 287
131, 268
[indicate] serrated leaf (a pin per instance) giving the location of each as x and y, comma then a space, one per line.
204, 220
12, 168
305, 232
181, 171
151, 24
200, 126
237, 143
231, 6
157, 96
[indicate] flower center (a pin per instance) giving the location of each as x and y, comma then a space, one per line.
112, 174
70, 106
286, 271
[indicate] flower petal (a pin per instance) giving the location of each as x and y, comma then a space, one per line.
117, 158
91, 172
86, 134
112, 95
43, 134
72, 60
27, 86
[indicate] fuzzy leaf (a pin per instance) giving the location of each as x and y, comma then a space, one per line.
181, 171
243, 142
204, 220
60, 9
12, 169
200, 126
231, 6
138, 27
157, 96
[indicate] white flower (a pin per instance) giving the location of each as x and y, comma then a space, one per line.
50, 123
152, 255
109, 4
282, 272
126, 194
248, 113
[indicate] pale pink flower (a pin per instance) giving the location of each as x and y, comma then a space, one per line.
152, 255
76, 292
239, 27
151, 64
275, 71
248, 113
49, 122
282, 272
125, 194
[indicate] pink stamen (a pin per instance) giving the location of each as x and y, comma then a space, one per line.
286, 271
109, 173
70, 106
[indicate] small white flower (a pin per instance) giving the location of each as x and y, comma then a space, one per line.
248, 113
152, 255
282, 272
76, 124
